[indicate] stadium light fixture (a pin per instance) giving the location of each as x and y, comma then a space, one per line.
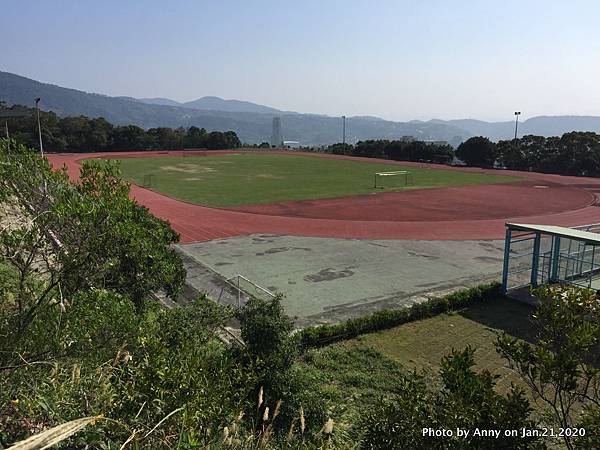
517, 114
37, 108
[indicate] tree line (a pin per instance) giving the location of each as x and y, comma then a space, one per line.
399, 150
575, 153
84, 134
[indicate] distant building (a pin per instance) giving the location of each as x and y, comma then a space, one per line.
432, 142
276, 135
291, 144
456, 141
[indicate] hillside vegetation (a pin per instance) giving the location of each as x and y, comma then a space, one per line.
82, 134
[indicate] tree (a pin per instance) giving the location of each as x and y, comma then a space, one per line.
74, 237
477, 151
580, 152
131, 137
166, 138
194, 137
266, 332
466, 400
270, 351
511, 155
371, 148
563, 367
340, 149
129, 247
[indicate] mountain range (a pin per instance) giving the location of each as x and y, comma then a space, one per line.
252, 122
215, 104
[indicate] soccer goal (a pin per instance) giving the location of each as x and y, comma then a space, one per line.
392, 179
148, 180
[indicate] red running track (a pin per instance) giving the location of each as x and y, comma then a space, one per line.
463, 213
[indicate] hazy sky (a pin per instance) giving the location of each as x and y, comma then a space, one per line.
399, 60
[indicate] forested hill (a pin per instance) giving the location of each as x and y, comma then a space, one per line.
251, 127
252, 122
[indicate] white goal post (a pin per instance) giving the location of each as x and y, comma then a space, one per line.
404, 174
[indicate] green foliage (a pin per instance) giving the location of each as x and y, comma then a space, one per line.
129, 246
66, 238
95, 324
563, 368
380, 320
590, 422
575, 153
403, 150
164, 361
266, 331
466, 400
83, 134
78, 338
477, 151
350, 379
177, 362
269, 347
271, 351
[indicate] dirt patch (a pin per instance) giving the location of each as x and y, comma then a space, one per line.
269, 176
188, 168
12, 217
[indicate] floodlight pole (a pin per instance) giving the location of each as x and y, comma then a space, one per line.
37, 108
7, 137
343, 131
517, 114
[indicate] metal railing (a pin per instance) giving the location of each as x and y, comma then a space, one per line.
243, 285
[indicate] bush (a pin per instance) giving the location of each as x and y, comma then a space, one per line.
467, 400
380, 320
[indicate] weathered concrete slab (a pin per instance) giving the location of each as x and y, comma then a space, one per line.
202, 280
328, 280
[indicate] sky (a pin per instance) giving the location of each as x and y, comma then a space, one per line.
400, 60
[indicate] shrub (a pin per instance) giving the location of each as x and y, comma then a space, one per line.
467, 400
381, 320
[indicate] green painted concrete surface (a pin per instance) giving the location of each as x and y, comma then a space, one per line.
328, 280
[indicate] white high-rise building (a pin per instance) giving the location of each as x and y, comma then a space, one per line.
276, 135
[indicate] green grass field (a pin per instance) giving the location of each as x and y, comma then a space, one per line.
247, 179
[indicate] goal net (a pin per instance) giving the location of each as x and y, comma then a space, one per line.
148, 180
397, 178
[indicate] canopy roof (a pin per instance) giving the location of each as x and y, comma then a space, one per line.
569, 233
